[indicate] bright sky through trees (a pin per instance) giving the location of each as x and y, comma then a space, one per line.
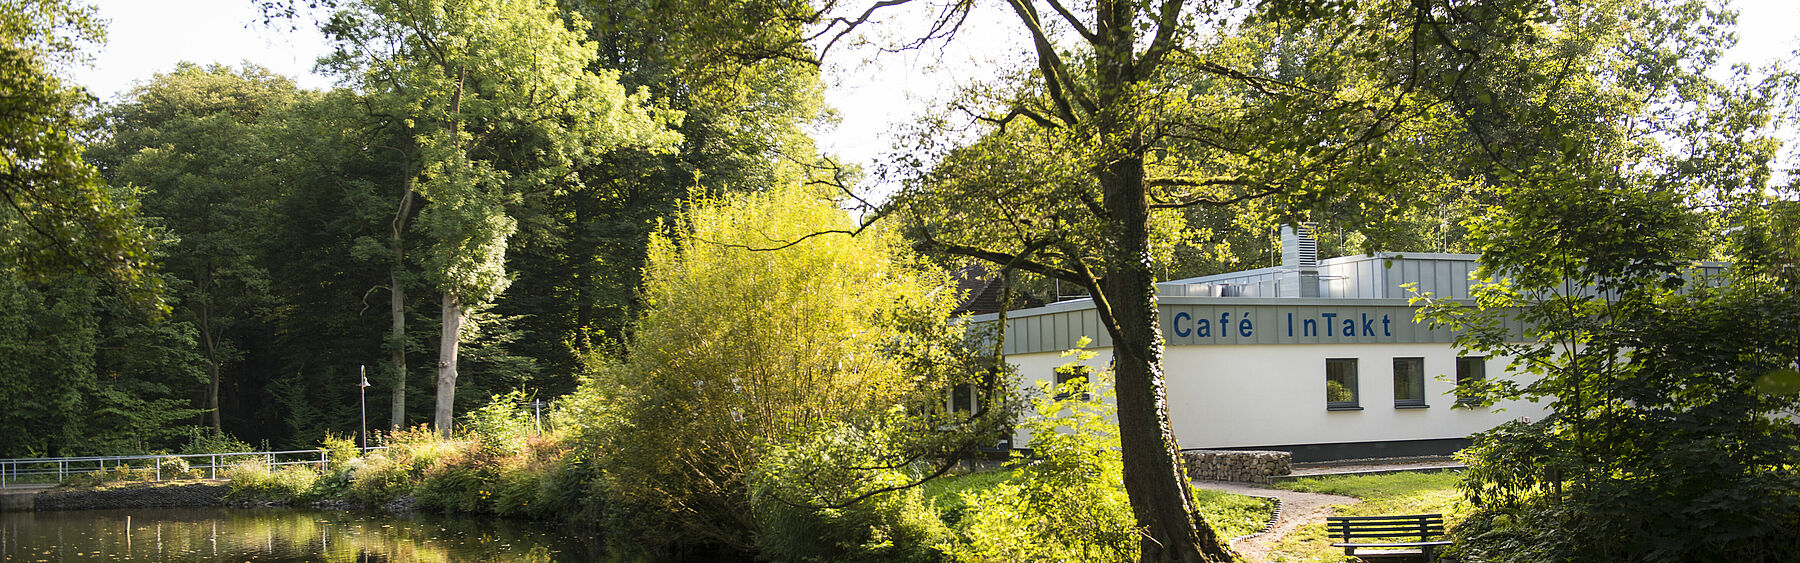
871, 97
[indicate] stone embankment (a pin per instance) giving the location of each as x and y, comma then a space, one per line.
1236, 465
182, 495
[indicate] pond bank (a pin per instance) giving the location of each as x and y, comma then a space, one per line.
193, 494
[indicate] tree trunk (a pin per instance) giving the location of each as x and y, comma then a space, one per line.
213, 371
397, 292
397, 338
1154, 480
446, 378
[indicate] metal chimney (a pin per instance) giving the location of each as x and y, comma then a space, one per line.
1299, 262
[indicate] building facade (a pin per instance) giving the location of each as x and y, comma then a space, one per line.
1319, 358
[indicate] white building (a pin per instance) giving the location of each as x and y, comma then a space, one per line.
1319, 358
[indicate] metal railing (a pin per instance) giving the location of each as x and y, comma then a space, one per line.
15, 471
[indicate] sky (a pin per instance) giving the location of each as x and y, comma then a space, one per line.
872, 97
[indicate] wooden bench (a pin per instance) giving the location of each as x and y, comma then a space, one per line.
1348, 529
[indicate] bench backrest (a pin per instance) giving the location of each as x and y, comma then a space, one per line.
1422, 526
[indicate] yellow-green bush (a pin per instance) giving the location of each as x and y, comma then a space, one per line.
256, 481
339, 451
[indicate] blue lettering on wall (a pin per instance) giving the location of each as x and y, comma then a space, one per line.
1242, 324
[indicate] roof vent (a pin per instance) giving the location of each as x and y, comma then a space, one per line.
1299, 261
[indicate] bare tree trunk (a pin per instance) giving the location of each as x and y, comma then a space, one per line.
213, 371
397, 294
446, 378
397, 306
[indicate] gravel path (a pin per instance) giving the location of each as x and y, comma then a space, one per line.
1297, 509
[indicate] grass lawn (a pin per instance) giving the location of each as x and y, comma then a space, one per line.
1390, 494
1231, 515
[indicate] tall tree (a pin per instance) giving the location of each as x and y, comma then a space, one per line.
194, 140
501, 101
1132, 112
55, 214
580, 254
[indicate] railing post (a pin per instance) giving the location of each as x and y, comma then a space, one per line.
158, 461
213, 468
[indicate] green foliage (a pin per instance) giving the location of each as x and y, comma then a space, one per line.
746, 350
835, 496
1652, 370
204, 441
377, 479
457, 486
84, 373
500, 427
499, 99
339, 451
259, 482
1064, 502
59, 218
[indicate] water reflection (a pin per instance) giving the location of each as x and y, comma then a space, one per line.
275, 534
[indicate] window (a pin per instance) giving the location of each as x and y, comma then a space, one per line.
1409, 382
962, 397
1471, 371
1069, 373
1340, 384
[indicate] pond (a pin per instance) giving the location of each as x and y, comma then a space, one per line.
277, 534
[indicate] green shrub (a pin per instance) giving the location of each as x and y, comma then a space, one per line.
375, 480
255, 481
419, 448
502, 426
815, 500
176, 468
339, 451
1067, 502
457, 488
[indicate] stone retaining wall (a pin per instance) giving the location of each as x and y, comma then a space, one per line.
1236, 465
149, 495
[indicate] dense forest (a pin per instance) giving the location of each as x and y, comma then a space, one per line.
296, 238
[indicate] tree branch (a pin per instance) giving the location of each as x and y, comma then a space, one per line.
1063, 91
1168, 23
1074, 22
